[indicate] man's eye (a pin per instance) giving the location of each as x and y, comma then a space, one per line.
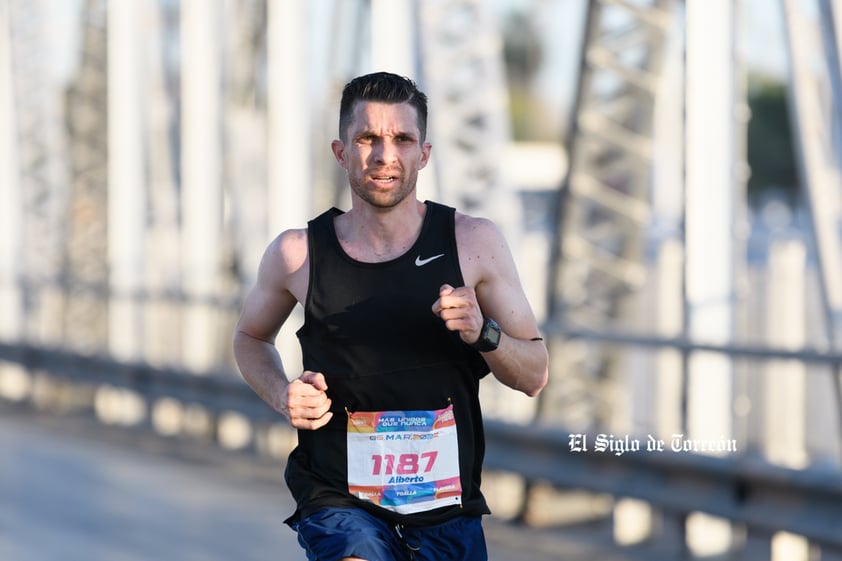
402, 138
367, 139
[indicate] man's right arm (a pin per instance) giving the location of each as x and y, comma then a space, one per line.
281, 283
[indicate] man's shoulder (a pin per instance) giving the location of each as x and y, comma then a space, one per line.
291, 239
481, 247
475, 228
289, 249
293, 243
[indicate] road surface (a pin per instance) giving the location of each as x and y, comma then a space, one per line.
72, 490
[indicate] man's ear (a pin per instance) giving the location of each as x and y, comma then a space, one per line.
425, 155
338, 149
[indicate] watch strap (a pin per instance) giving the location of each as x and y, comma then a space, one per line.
489, 336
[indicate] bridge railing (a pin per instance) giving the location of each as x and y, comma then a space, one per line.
760, 498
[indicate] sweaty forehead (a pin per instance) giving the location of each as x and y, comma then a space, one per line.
384, 118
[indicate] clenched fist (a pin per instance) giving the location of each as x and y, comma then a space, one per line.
306, 403
460, 311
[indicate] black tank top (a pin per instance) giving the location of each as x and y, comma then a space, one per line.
370, 329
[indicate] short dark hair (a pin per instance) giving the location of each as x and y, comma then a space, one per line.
384, 87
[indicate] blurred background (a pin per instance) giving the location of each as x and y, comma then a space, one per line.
666, 173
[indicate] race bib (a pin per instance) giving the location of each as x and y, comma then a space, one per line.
404, 461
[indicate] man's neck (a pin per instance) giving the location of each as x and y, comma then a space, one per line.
374, 235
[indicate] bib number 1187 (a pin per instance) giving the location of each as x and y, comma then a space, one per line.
407, 464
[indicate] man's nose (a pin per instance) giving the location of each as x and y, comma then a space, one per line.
385, 151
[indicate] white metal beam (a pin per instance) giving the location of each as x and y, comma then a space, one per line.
393, 37
814, 114
11, 208
201, 202
709, 209
710, 191
126, 185
290, 175
15, 383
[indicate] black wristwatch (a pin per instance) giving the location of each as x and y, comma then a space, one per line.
489, 336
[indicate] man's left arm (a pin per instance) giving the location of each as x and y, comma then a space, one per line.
493, 289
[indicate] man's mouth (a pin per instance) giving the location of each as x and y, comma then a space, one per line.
384, 179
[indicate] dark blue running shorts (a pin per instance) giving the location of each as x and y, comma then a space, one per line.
334, 533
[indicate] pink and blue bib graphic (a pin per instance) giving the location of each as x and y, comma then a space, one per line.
404, 461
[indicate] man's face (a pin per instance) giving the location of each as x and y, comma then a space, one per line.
382, 152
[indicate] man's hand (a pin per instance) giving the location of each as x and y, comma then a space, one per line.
306, 403
459, 309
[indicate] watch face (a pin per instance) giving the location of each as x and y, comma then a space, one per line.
489, 337
492, 334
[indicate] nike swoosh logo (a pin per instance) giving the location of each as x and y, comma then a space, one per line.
421, 262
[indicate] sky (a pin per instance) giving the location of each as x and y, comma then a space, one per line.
763, 38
